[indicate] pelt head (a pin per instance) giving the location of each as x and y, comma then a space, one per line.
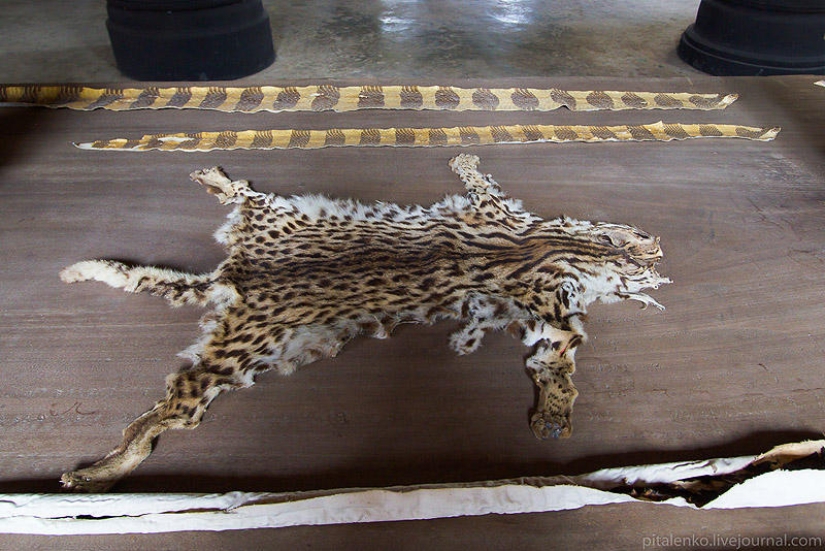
628, 264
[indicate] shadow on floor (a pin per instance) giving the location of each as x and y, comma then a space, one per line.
418, 473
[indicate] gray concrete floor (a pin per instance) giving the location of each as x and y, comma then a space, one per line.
58, 41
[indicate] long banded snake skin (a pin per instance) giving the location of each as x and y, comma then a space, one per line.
328, 97
424, 137
350, 98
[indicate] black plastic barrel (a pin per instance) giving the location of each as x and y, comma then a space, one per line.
757, 37
189, 39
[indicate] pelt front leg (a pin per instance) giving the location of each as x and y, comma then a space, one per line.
551, 369
177, 287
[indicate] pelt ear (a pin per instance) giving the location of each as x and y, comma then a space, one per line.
615, 235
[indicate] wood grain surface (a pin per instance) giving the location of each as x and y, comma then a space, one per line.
732, 367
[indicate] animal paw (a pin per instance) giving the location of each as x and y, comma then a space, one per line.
545, 425
464, 163
466, 340
215, 181
84, 481
111, 273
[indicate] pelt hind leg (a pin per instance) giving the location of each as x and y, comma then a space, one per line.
177, 287
188, 394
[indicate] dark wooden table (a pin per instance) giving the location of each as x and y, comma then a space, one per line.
732, 367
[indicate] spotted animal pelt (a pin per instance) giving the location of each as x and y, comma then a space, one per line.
305, 275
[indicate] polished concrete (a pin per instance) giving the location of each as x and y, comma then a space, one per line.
57, 41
